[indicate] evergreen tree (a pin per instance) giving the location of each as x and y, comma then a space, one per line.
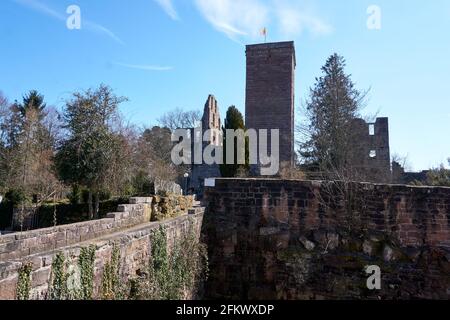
27, 147
87, 157
439, 176
332, 105
33, 101
234, 120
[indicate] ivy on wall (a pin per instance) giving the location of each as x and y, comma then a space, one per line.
172, 272
86, 264
58, 289
24, 282
111, 289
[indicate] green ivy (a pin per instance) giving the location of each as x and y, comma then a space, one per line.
171, 273
24, 282
58, 289
160, 271
86, 264
111, 278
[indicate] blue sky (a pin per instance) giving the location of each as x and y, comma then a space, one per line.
164, 54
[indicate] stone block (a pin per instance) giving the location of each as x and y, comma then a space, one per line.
126, 207
141, 200
40, 277
8, 288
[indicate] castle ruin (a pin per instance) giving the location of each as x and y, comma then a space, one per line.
371, 151
270, 104
210, 121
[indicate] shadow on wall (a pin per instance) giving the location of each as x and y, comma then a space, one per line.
287, 239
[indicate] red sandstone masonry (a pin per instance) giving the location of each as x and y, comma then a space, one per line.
414, 215
274, 239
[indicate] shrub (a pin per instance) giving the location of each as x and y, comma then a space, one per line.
16, 196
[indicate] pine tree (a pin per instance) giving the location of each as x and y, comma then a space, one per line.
28, 147
33, 101
332, 105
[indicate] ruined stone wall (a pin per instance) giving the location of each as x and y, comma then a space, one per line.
371, 149
129, 230
210, 121
285, 239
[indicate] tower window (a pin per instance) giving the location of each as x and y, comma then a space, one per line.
371, 129
373, 154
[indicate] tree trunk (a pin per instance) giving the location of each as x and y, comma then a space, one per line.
97, 205
91, 210
55, 221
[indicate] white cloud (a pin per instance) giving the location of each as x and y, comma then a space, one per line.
88, 25
295, 21
235, 18
42, 8
144, 67
169, 8
246, 18
102, 30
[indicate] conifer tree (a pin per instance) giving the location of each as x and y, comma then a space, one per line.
234, 120
333, 104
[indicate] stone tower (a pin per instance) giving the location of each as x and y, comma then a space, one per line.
200, 172
211, 119
371, 151
269, 101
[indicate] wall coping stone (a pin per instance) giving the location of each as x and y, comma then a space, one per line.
320, 182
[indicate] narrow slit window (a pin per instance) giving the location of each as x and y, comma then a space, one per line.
371, 129
373, 154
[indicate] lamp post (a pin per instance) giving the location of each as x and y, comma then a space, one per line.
186, 176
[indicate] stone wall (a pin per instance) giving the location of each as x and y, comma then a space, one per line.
283, 239
21, 244
130, 229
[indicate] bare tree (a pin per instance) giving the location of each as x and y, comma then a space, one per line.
403, 161
122, 167
5, 111
180, 119
153, 156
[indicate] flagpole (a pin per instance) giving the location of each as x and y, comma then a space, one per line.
264, 33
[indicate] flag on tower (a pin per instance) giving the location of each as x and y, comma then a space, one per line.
264, 33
